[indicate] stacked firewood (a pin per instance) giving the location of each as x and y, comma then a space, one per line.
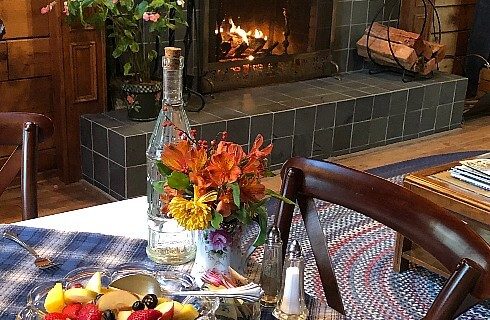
411, 51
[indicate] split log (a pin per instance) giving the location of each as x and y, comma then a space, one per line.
437, 50
256, 44
413, 40
427, 67
381, 53
225, 47
236, 52
410, 39
411, 51
271, 47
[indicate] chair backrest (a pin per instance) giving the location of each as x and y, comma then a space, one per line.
449, 240
25, 131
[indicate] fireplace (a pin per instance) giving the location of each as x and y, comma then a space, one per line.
256, 42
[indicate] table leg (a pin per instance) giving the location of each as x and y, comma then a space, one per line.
402, 244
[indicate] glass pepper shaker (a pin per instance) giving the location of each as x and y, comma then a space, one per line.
291, 303
270, 278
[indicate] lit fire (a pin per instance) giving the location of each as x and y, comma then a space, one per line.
239, 31
242, 44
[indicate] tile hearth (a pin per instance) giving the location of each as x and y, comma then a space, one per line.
316, 118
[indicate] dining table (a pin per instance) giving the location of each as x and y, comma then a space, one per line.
105, 235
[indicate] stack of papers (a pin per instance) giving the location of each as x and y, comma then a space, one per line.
475, 172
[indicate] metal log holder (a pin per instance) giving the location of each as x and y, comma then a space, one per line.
407, 75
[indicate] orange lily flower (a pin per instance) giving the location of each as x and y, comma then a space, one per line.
225, 204
255, 151
223, 169
231, 149
176, 156
251, 190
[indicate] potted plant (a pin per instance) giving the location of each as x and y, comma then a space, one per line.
130, 23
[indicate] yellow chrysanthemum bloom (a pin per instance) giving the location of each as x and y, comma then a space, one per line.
192, 214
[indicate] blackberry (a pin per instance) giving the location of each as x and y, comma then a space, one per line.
138, 305
150, 301
108, 315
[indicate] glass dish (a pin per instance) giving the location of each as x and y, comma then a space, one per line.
169, 280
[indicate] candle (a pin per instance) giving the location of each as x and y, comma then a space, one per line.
290, 303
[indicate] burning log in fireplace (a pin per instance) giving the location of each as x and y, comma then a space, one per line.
412, 52
237, 43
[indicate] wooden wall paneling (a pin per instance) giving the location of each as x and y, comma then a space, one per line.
456, 17
29, 58
484, 85
456, 42
456, 20
23, 18
27, 95
4, 71
46, 159
81, 75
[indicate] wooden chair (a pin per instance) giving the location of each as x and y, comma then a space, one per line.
449, 240
26, 131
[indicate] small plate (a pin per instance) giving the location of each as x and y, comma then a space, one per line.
169, 280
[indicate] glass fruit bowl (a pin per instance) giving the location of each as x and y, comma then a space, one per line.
168, 280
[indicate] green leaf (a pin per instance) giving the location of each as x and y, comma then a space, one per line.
135, 47
127, 68
163, 169
262, 220
141, 8
269, 173
178, 180
276, 195
152, 55
216, 220
159, 185
242, 216
235, 188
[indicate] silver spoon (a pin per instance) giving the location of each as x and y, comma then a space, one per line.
142, 284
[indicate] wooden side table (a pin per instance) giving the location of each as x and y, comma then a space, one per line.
465, 201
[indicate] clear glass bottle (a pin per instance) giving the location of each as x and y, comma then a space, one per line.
271, 275
291, 303
168, 242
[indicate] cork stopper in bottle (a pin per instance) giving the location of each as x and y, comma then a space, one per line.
173, 56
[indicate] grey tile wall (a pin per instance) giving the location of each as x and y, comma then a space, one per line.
332, 117
351, 19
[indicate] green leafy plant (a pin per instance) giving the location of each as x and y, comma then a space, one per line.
126, 22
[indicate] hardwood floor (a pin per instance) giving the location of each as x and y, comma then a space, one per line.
55, 197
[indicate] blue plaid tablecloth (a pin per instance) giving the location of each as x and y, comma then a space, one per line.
71, 250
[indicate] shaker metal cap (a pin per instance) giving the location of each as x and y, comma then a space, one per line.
274, 236
294, 250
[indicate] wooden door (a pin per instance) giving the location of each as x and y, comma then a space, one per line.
50, 68
81, 73
456, 20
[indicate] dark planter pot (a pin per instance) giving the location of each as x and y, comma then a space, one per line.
143, 100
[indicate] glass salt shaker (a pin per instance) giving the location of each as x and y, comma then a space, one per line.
291, 303
270, 278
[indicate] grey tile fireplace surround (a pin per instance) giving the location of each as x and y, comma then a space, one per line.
317, 118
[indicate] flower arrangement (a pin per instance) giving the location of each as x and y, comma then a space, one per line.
207, 184
125, 22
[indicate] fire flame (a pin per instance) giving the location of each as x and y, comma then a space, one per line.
257, 34
242, 33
